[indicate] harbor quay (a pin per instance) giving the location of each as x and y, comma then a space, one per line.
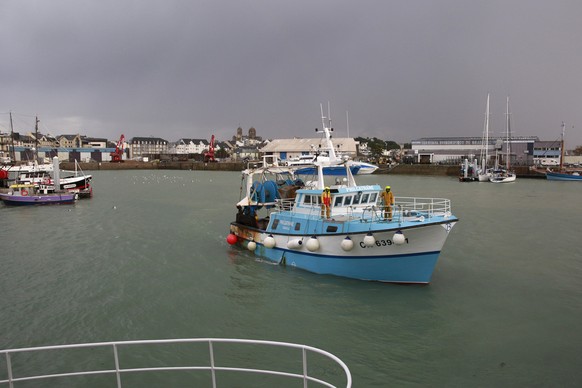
400, 169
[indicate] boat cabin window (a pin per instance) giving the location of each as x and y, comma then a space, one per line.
275, 223
297, 226
311, 200
365, 198
331, 228
338, 201
373, 197
348, 200
357, 198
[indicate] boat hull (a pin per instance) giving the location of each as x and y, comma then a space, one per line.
410, 262
557, 176
338, 170
365, 168
48, 199
502, 180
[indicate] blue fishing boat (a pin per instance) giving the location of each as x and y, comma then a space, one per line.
563, 174
282, 219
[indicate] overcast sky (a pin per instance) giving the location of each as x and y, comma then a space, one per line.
402, 69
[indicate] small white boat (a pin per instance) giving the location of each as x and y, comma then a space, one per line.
365, 168
502, 176
75, 182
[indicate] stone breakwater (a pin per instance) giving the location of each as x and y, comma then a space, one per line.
402, 169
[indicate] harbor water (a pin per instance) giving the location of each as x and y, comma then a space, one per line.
147, 258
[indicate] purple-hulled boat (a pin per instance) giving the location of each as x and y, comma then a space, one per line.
28, 194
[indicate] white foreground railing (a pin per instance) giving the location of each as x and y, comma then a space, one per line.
118, 370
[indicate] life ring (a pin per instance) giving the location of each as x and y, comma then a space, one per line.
24, 192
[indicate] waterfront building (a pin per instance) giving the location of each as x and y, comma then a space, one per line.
189, 146
293, 148
69, 141
453, 150
94, 142
547, 153
46, 141
149, 147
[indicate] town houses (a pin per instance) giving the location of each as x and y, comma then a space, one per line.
19, 147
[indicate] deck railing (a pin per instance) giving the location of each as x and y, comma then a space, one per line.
118, 370
404, 207
427, 207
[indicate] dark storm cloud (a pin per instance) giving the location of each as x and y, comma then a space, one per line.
403, 69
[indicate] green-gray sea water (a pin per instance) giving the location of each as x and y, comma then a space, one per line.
146, 258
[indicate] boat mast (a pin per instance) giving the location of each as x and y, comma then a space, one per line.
348, 123
508, 152
486, 142
327, 131
12, 137
562, 146
36, 121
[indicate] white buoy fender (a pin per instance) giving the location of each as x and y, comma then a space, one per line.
251, 246
295, 243
269, 242
312, 244
369, 240
347, 244
399, 238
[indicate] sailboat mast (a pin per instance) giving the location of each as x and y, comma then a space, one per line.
562, 146
36, 138
348, 123
486, 145
12, 137
507, 156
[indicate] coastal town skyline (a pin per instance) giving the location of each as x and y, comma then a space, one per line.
398, 70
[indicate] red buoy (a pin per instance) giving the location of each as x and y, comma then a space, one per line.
231, 239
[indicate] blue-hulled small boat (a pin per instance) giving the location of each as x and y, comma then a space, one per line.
564, 176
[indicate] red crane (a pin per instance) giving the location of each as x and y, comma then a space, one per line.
116, 156
209, 156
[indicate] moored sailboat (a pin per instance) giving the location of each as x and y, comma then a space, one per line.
484, 173
499, 174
